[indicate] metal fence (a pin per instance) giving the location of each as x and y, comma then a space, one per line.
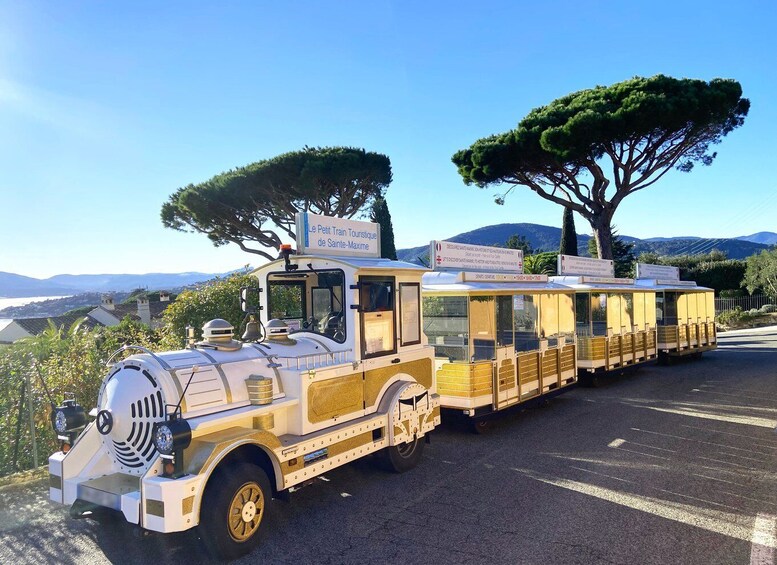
744, 302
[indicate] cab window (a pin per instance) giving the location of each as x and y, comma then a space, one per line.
409, 307
376, 298
309, 301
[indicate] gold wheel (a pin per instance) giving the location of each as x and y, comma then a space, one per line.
245, 511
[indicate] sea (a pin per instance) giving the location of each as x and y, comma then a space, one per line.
8, 302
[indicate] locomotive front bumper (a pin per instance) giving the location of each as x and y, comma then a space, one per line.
155, 503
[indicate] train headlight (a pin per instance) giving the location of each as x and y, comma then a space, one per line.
163, 439
172, 436
68, 417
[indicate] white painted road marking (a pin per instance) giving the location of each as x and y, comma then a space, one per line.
730, 524
763, 540
616, 442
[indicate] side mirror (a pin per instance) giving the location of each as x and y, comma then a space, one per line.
249, 299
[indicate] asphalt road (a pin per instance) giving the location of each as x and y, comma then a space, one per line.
665, 465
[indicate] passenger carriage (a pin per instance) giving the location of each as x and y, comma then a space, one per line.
500, 338
685, 312
615, 319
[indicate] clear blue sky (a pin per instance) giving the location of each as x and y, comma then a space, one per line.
107, 107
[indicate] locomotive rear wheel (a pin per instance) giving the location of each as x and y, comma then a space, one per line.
402, 457
233, 508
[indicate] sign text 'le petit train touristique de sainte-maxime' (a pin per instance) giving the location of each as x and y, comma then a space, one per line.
324, 235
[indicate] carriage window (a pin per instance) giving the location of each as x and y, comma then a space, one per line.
614, 309
566, 317
670, 309
651, 309
627, 312
599, 314
445, 325
482, 327
308, 301
525, 318
377, 306
409, 308
504, 320
639, 310
549, 318
583, 314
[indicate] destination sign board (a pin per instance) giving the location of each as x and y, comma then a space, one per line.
448, 256
571, 265
501, 277
324, 235
663, 272
670, 282
605, 280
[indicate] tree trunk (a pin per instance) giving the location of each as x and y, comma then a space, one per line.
603, 235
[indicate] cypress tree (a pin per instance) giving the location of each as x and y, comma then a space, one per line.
568, 234
381, 215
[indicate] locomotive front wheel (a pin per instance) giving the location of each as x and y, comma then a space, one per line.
233, 507
402, 457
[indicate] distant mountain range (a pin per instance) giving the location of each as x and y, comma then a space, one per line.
541, 238
18, 286
548, 238
765, 237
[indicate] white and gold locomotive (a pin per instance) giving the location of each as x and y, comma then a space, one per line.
208, 435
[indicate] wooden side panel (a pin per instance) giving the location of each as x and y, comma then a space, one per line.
528, 367
591, 348
615, 348
683, 342
506, 375
639, 344
550, 363
465, 379
669, 335
651, 339
568, 358
627, 344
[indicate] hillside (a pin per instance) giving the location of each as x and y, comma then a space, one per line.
541, 238
18, 286
547, 238
765, 237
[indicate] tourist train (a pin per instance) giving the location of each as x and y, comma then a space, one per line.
346, 354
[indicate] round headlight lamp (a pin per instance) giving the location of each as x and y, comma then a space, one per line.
171, 435
163, 439
60, 422
68, 417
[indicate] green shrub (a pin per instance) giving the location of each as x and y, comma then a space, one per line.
736, 316
70, 360
768, 308
73, 360
732, 293
218, 299
718, 275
